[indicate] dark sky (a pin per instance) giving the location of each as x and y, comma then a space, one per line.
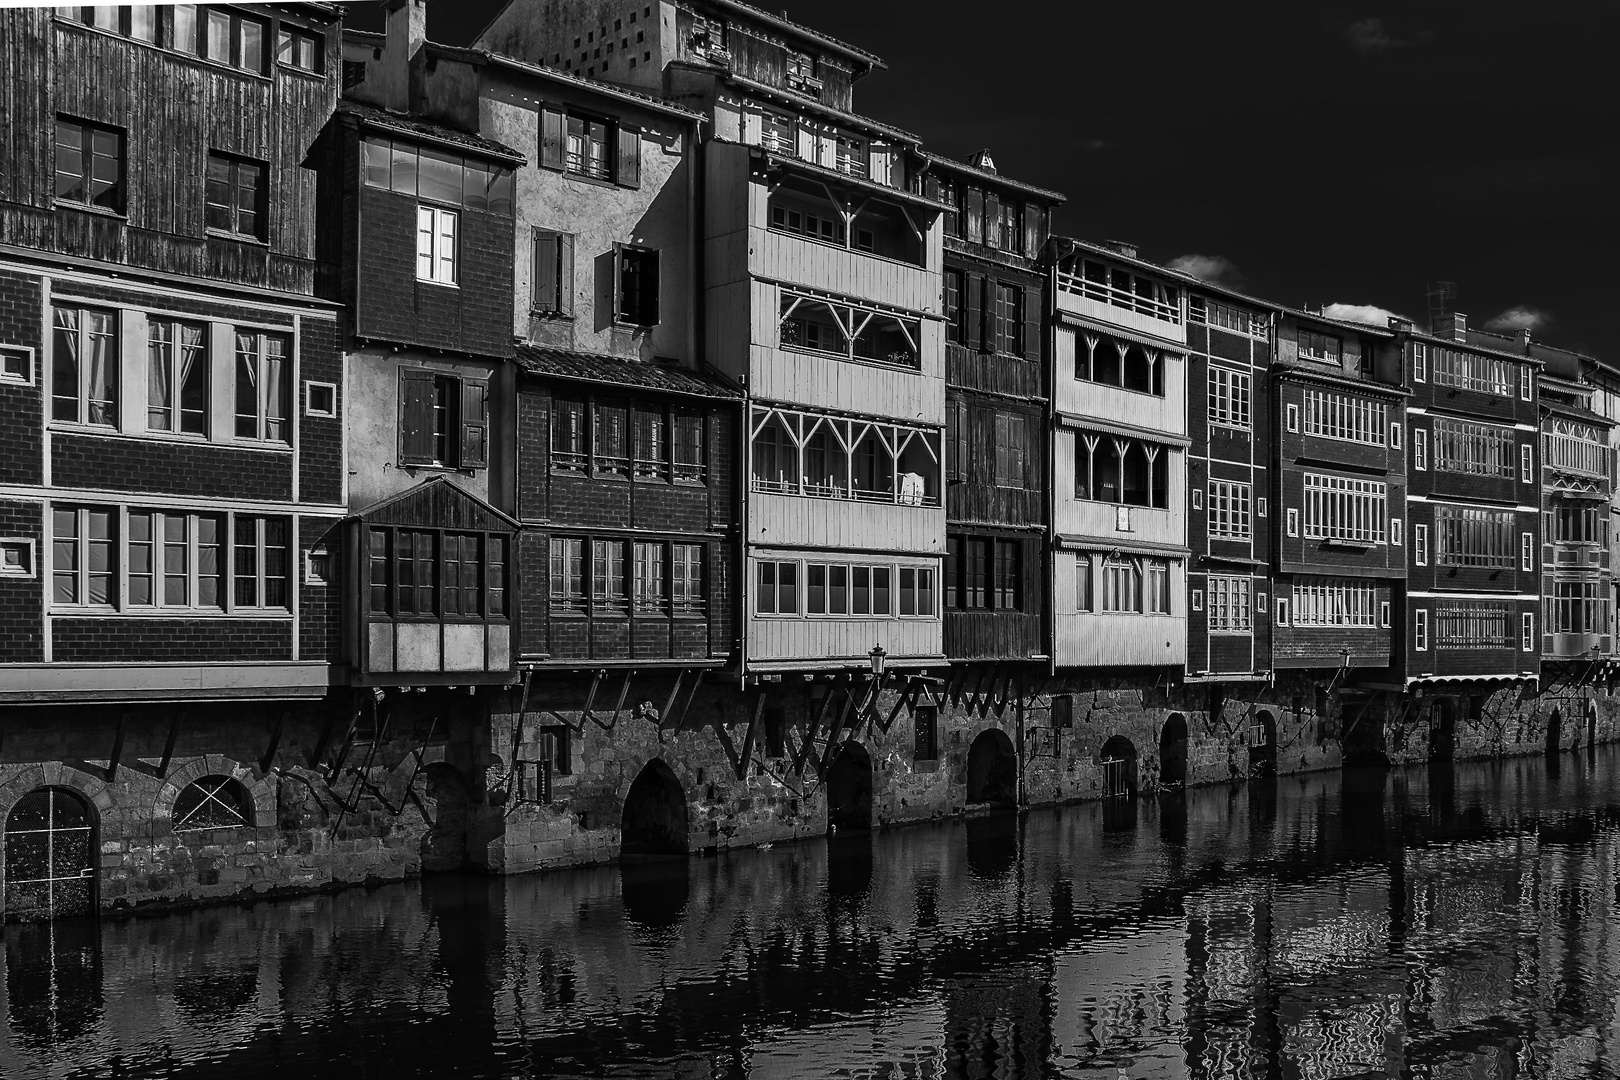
1315, 151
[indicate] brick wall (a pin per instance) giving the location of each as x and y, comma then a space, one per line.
21, 407
197, 641
320, 607
169, 467
21, 636
320, 439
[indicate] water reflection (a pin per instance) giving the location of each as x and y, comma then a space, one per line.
1433, 921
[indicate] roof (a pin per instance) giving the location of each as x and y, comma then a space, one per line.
364, 37
838, 176
427, 130
437, 499
600, 368
1338, 378
1475, 346
994, 178
854, 120
781, 22
606, 89
1343, 324
1182, 276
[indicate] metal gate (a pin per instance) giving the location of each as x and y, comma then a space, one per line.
50, 857
1116, 781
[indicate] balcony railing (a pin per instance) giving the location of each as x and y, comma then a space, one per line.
1581, 457
1118, 297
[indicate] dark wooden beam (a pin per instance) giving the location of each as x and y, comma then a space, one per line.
669, 706
815, 722
117, 747
168, 744
697, 684
748, 740
730, 747
270, 751
590, 699
624, 693
833, 732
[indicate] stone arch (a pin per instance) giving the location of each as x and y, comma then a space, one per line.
849, 788
1173, 751
448, 806
261, 791
1555, 725
1263, 743
94, 792
1117, 759
654, 820
992, 769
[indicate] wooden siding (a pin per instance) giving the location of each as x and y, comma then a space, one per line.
974, 496
1082, 398
1081, 517
867, 389
836, 523
1106, 314
1437, 660
1106, 639
970, 369
831, 269
979, 634
840, 641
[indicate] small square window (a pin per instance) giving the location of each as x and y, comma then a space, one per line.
318, 567
1197, 498
16, 557
1260, 602
17, 364
1260, 507
1198, 599
320, 399
1282, 611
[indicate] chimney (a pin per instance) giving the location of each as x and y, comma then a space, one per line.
1400, 325
407, 31
983, 161
1453, 326
1524, 339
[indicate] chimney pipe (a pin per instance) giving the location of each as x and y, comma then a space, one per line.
1452, 326
1400, 325
406, 33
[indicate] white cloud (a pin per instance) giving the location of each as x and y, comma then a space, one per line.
1521, 317
1215, 269
1370, 314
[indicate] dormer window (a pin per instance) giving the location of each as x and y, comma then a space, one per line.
801, 73
1323, 347
708, 39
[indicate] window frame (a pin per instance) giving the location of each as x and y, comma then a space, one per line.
84, 404
262, 420
176, 388
236, 167
430, 222
87, 130
1231, 398
646, 298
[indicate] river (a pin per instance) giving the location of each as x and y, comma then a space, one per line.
1449, 923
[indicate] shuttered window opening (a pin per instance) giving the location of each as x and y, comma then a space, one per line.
636, 285
444, 420
593, 147
552, 283
1012, 448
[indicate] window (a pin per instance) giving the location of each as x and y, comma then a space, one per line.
435, 245
234, 199
778, 134
1527, 471
1229, 611
650, 592
849, 155
1395, 532
1200, 309
1121, 585
16, 557
1229, 394
1157, 573
406, 169
318, 566
1228, 510
320, 399
1333, 602
637, 286
848, 331
1466, 536
1125, 364
1009, 572
801, 72
214, 802
1317, 346
1472, 626
691, 462
1461, 446
1122, 470
177, 369
1420, 545
444, 420
1420, 361
552, 286
262, 386
955, 313
1292, 414
1344, 417
1420, 630
1260, 507
431, 574
1117, 286
1470, 371
84, 366
1573, 524
610, 593
1383, 614
1341, 509
83, 561
587, 147
1395, 436
610, 438
261, 562
1198, 599
844, 459
1293, 521
1082, 583
826, 227
1527, 552
233, 39
778, 588
1526, 382
917, 592
354, 74
651, 430
1012, 443
567, 574
686, 579
568, 447
90, 164
1282, 611
1420, 449
300, 49
17, 364
1578, 607
1527, 628
1008, 329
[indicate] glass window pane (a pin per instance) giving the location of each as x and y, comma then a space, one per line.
377, 157
440, 177
252, 58
219, 36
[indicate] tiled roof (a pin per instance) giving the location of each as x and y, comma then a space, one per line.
599, 86
787, 24
994, 178
599, 368
804, 101
426, 129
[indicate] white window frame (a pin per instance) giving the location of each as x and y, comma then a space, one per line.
1420, 362
1280, 609
27, 566
1527, 552
309, 400
312, 576
1198, 600
1383, 614
1344, 417
1260, 507
1395, 436
1527, 631
1420, 449
1395, 535
1420, 630
1334, 603
1291, 412
1351, 510
1197, 498
26, 354
1527, 465
1231, 398
1230, 608
436, 260
1293, 521
1229, 510
1526, 382
1420, 545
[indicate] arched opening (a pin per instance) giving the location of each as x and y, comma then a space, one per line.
50, 856
213, 802
849, 788
1118, 763
654, 820
1591, 725
1442, 730
444, 845
1555, 724
1173, 752
1263, 744
992, 770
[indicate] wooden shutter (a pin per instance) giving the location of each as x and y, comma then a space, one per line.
992, 220
474, 424
628, 173
931, 188
565, 274
545, 295
552, 131
1030, 346
953, 438
1034, 229
975, 216
987, 314
416, 417
973, 300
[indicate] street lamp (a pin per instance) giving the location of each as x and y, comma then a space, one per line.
877, 656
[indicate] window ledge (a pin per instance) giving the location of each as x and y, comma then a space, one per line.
86, 208
440, 284
1352, 545
67, 427
240, 238
293, 69
551, 316
134, 612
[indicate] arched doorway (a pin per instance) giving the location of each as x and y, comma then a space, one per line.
1263, 744
1591, 725
654, 820
1173, 752
1442, 730
1555, 724
1118, 763
849, 788
444, 845
50, 856
992, 769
